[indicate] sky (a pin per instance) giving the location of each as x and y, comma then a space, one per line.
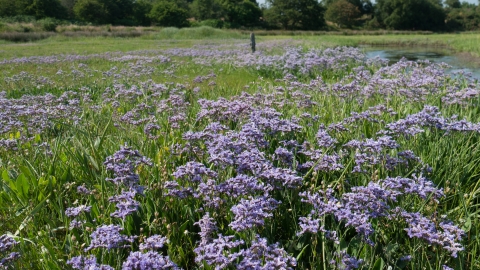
469, 1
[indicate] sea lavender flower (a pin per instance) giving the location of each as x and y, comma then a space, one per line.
125, 204
253, 212
193, 172
348, 262
207, 227
76, 211
153, 242
148, 261
284, 156
218, 252
76, 224
324, 139
6, 245
281, 178
123, 164
243, 185
423, 228
108, 236
150, 130
417, 185
262, 256
84, 190
310, 225
87, 263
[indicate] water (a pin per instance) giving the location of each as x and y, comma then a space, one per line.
457, 62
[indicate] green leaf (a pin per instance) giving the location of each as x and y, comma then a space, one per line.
8, 181
301, 252
468, 224
378, 265
22, 186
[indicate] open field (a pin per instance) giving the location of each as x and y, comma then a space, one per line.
167, 153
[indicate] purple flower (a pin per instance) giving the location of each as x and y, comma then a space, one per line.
83, 190
262, 256
87, 263
108, 236
348, 262
324, 139
76, 211
207, 228
193, 172
253, 212
123, 164
243, 185
125, 204
423, 228
153, 242
218, 252
6, 245
148, 261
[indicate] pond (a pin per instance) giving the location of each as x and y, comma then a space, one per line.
457, 62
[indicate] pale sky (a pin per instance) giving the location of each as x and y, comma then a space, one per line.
469, 1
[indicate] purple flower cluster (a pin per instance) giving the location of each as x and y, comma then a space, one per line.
109, 237
76, 211
363, 204
262, 256
420, 227
123, 164
7, 243
148, 261
86, 263
252, 213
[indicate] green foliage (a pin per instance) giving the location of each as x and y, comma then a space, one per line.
46, 8
141, 9
207, 9
212, 23
168, 13
295, 14
453, 3
343, 13
410, 14
465, 17
91, 11
48, 24
365, 6
241, 13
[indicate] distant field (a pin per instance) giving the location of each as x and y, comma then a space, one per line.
184, 149
171, 37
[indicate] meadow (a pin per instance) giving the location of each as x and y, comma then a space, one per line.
169, 152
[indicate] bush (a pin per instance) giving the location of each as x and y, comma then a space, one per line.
212, 23
48, 24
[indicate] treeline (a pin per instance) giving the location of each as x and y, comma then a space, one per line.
248, 14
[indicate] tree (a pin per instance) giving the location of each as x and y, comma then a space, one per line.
365, 6
91, 11
295, 14
141, 9
207, 9
410, 14
168, 13
241, 12
8, 8
342, 13
453, 3
46, 8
